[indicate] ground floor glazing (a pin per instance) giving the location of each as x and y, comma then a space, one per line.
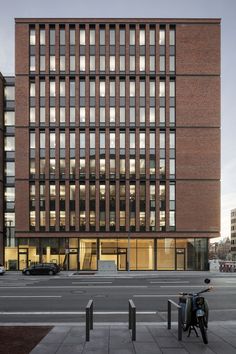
134, 254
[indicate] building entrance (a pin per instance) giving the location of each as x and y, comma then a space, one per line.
180, 259
122, 258
23, 258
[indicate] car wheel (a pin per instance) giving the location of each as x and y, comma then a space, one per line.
51, 272
27, 272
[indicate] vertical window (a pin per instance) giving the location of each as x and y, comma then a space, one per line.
92, 62
152, 34
142, 63
92, 36
102, 37
102, 88
102, 207
132, 140
142, 215
162, 36
112, 140
112, 207
132, 205
62, 36
122, 36
122, 207
52, 36
32, 36
72, 63
172, 206
112, 63
142, 37
162, 89
172, 37
142, 140
72, 36
132, 88
82, 36
32, 63
112, 37
132, 36
42, 37
132, 63
102, 62
82, 62
152, 223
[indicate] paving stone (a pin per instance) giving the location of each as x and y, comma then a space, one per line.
150, 348
121, 351
43, 348
92, 351
221, 347
54, 338
143, 335
160, 332
168, 342
71, 349
196, 348
174, 351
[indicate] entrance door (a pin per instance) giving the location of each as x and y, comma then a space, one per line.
73, 259
180, 259
23, 258
122, 259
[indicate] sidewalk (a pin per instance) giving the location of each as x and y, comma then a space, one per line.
150, 339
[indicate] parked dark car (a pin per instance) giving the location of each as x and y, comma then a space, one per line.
40, 269
57, 267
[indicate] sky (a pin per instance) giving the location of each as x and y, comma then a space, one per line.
224, 9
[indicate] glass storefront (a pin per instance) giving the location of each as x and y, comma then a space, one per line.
134, 254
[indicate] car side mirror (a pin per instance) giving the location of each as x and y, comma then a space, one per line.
207, 281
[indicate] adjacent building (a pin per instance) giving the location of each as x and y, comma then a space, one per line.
111, 136
233, 234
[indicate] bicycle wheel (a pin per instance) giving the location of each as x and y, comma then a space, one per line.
203, 329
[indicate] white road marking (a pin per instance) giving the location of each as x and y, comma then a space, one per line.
198, 286
3, 313
91, 282
74, 287
169, 282
22, 296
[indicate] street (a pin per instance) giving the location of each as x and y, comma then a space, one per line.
62, 298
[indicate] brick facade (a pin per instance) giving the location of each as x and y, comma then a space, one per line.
184, 141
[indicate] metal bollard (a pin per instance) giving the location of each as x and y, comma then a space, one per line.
89, 319
179, 317
132, 319
179, 323
169, 315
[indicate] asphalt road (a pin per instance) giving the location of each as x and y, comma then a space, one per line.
62, 298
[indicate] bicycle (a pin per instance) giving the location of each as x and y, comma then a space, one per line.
195, 312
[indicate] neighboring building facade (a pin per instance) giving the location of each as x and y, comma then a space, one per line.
115, 147
233, 234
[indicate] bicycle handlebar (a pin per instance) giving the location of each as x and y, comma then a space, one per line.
200, 292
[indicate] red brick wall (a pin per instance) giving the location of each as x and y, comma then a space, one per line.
198, 101
198, 206
198, 127
198, 153
198, 49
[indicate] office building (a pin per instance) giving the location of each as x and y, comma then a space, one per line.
111, 132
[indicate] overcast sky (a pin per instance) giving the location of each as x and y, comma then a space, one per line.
224, 9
